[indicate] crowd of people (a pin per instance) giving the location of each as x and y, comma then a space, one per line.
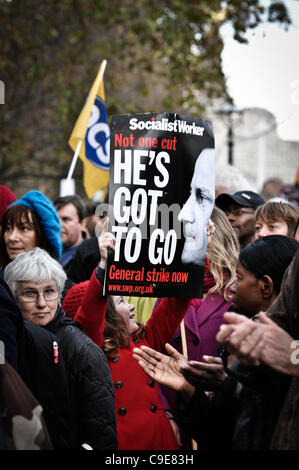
83, 370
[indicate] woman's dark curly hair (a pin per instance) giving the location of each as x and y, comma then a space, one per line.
116, 334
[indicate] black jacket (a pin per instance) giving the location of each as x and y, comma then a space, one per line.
29, 349
48, 381
242, 413
11, 328
85, 260
90, 383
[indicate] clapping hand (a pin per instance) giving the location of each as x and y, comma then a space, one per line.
176, 372
164, 369
207, 376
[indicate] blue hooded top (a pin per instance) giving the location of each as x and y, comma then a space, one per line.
38, 203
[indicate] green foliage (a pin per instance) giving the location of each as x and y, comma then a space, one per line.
162, 56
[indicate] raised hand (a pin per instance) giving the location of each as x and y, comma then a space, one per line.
106, 242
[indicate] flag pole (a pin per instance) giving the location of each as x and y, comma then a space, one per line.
74, 161
77, 151
185, 353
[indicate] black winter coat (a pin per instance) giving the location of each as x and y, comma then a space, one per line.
85, 261
242, 413
29, 349
90, 385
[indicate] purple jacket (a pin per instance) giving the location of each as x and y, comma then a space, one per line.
202, 322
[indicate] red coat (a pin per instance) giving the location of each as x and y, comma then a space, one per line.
141, 421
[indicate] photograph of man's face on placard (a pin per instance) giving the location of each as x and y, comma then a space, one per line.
196, 211
162, 193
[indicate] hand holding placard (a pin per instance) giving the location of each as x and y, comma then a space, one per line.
106, 242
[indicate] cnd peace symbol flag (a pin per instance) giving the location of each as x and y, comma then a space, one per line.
92, 129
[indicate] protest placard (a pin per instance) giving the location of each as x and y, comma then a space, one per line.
161, 195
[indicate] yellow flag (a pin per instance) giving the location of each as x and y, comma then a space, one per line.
92, 129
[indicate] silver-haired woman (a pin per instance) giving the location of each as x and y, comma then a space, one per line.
36, 281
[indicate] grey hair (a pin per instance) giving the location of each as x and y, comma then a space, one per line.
35, 265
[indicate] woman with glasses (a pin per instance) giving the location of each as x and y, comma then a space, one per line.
36, 281
29, 350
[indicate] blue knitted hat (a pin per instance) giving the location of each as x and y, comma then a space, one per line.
50, 222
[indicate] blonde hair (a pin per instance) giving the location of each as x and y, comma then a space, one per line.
223, 253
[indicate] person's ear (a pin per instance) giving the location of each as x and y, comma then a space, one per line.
83, 225
267, 286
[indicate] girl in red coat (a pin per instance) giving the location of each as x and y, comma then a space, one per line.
141, 421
